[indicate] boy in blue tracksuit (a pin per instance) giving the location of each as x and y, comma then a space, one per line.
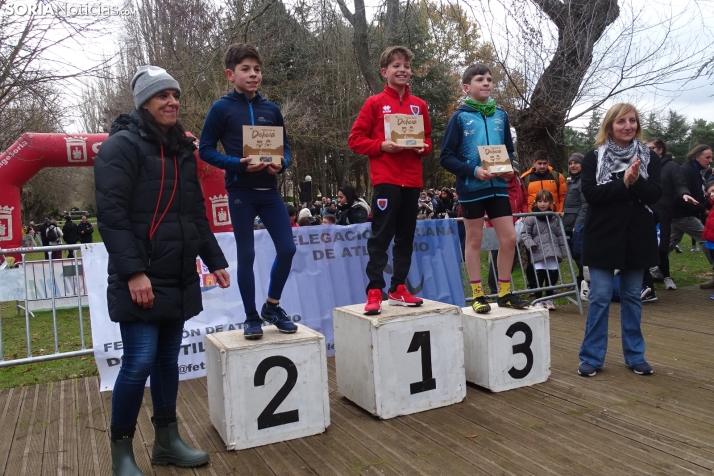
252, 188
479, 122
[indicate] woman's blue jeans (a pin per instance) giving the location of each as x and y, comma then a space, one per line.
150, 349
594, 344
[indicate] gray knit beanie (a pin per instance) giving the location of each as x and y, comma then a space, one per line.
577, 157
150, 80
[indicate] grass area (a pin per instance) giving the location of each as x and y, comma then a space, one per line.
96, 238
14, 342
687, 269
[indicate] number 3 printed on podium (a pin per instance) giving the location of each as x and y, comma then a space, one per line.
523, 348
268, 418
422, 340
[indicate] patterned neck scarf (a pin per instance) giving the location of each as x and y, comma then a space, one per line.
611, 158
488, 109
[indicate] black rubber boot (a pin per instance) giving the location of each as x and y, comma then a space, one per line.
123, 462
169, 448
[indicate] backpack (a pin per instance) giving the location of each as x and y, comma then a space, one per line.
51, 233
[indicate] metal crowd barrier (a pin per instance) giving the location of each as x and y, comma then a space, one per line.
568, 285
60, 284
50, 284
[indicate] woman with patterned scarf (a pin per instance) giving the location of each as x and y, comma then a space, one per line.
620, 181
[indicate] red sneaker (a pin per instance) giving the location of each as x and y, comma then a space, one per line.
374, 302
402, 297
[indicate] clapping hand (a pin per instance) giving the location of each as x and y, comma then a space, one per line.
632, 173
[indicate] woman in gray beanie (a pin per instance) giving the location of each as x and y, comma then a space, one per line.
153, 222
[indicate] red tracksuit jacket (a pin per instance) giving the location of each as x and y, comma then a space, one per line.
367, 135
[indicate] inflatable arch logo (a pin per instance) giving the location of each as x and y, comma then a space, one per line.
34, 151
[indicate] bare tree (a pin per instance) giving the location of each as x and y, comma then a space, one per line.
563, 56
358, 20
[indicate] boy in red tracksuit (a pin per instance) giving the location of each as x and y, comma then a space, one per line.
396, 175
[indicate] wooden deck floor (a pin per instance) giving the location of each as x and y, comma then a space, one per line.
616, 423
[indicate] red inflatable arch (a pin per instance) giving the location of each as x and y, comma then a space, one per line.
35, 151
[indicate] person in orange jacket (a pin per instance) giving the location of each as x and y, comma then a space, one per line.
542, 177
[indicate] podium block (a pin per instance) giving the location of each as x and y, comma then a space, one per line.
506, 348
406, 360
268, 390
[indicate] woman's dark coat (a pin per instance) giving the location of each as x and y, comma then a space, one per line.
357, 213
619, 230
127, 173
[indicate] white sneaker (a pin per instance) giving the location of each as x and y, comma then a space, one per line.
584, 290
669, 283
549, 305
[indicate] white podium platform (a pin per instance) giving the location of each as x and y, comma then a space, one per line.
268, 390
507, 348
405, 360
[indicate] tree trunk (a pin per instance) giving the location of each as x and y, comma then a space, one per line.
391, 26
540, 126
358, 20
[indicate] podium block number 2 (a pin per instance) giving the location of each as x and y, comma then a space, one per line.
268, 418
523, 348
422, 340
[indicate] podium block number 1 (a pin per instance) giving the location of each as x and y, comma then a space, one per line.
523, 348
268, 418
422, 340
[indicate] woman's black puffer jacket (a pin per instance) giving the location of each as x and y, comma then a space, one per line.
127, 173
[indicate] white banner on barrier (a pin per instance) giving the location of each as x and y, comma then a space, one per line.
65, 283
327, 272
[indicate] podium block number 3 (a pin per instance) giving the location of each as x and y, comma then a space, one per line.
523, 348
268, 418
422, 340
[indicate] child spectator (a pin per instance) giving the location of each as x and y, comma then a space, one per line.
708, 233
479, 122
546, 241
252, 188
329, 220
396, 174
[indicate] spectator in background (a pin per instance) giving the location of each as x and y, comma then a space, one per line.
574, 206
85, 230
542, 235
316, 209
686, 216
304, 221
708, 233
329, 220
674, 190
54, 237
43, 235
426, 210
71, 234
351, 208
292, 213
430, 195
444, 208
305, 213
30, 235
542, 177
